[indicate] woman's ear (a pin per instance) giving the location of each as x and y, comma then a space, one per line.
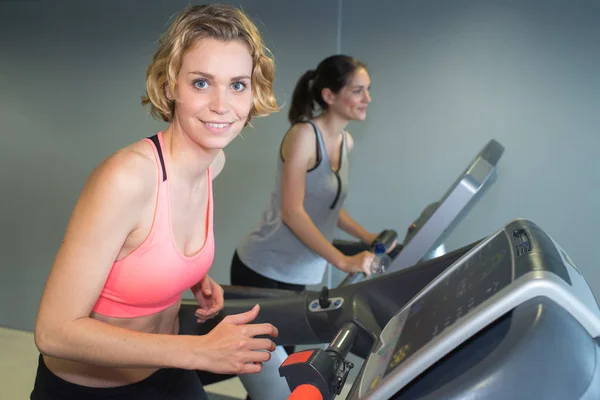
328, 96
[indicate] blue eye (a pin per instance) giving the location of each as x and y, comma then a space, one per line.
238, 86
201, 84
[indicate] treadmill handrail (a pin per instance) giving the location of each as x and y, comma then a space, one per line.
233, 292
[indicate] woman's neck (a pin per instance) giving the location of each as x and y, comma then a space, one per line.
331, 124
187, 159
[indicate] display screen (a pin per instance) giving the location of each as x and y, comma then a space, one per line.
474, 281
521, 248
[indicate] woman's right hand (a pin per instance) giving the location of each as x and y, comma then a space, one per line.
231, 346
360, 262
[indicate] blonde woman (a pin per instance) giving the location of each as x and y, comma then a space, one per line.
141, 232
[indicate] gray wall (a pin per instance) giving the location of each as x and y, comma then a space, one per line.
450, 75
447, 77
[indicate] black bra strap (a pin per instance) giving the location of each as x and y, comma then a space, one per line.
160, 155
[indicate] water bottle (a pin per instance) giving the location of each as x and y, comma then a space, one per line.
382, 260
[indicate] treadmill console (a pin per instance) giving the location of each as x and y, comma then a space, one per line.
439, 219
510, 267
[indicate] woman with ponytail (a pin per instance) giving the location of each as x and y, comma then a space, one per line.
292, 244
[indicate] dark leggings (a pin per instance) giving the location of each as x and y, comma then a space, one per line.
241, 275
164, 384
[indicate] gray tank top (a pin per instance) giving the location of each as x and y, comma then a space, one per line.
272, 249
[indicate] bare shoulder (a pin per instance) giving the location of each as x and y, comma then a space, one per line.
349, 141
108, 209
300, 140
302, 131
129, 173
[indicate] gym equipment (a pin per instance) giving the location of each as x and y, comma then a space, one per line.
284, 309
388, 293
425, 237
259, 385
512, 318
423, 241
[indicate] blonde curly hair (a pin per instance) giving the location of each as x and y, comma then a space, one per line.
216, 21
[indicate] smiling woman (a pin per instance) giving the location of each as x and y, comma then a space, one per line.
141, 232
213, 92
291, 245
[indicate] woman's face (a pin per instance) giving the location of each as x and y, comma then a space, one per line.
213, 91
353, 99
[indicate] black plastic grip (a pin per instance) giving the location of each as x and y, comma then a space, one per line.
280, 312
233, 292
386, 238
343, 342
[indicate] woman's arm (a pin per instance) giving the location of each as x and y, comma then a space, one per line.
106, 212
298, 151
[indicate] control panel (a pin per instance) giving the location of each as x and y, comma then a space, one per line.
503, 271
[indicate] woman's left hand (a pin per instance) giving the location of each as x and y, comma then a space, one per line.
209, 295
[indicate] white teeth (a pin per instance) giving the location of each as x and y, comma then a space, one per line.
216, 125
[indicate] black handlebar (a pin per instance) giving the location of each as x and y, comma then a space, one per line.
232, 292
386, 238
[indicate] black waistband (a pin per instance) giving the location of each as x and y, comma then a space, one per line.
50, 386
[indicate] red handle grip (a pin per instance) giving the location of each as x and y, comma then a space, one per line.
306, 392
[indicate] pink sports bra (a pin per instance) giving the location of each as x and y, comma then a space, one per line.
154, 275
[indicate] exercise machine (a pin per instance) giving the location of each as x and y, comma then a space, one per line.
285, 308
425, 237
423, 241
513, 317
